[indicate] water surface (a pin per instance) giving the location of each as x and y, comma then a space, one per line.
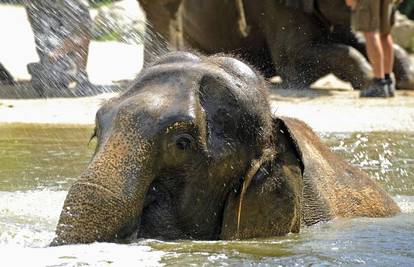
39, 163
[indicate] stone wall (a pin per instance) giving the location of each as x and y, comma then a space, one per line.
403, 32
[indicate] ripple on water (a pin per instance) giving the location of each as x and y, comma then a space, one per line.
96, 254
387, 157
27, 223
27, 218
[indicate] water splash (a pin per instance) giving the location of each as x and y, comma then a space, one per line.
97, 254
406, 203
28, 218
47, 40
387, 157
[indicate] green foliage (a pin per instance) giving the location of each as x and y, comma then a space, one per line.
109, 36
407, 8
99, 3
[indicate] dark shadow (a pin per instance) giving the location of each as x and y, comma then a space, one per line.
5, 77
279, 90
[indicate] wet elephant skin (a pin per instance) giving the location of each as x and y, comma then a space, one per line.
192, 151
299, 40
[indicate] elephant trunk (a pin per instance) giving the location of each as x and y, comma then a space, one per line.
106, 201
96, 214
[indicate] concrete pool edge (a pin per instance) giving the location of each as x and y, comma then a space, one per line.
324, 111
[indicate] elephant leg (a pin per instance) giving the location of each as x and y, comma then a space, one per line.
298, 74
343, 61
403, 65
162, 27
350, 65
344, 35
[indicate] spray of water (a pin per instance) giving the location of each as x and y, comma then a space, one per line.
62, 32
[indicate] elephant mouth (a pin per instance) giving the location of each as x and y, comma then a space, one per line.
135, 229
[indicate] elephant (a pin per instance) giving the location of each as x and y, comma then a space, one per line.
299, 40
192, 151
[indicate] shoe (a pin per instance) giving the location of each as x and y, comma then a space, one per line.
84, 89
83, 86
48, 80
391, 86
378, 88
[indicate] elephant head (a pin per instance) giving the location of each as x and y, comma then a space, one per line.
174, 154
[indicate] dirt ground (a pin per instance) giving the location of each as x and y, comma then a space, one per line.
343, 111
331, 106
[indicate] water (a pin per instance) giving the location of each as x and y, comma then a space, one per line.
39, 163
388, 157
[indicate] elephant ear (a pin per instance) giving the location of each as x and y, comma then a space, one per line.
331, 186
269, 202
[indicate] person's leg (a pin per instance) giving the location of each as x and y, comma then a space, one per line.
388, 48
82, 51
375, 53
388, 51
367, 19
387, 21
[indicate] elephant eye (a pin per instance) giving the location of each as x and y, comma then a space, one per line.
184, 142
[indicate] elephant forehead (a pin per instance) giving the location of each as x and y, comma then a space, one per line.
233, 75
156, 107
186, 70
166, 93
237, 68
161, 104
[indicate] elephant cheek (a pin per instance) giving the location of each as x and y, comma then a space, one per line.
93, 213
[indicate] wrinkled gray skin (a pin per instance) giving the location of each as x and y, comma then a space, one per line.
300, 47
174, 150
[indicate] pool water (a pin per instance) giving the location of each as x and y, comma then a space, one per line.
38, 163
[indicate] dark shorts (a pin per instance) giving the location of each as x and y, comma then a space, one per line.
373, 16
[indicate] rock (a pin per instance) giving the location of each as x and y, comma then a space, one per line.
403, 32
123, 21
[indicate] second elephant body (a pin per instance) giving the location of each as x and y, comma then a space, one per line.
301, 42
